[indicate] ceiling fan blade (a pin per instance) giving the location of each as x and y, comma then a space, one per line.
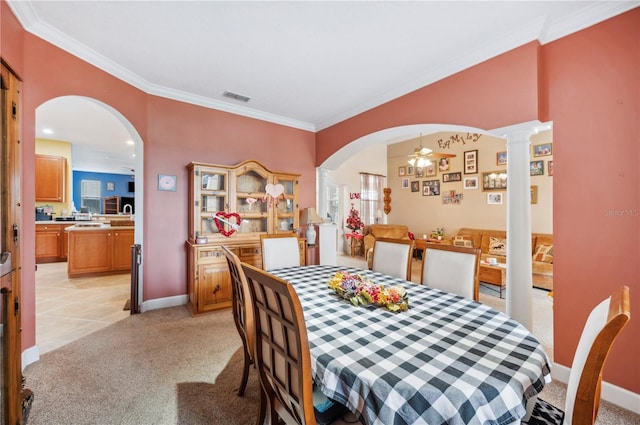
442, 155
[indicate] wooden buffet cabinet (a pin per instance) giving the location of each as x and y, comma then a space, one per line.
265, 201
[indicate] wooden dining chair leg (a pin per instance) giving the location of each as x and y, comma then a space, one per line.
245, 372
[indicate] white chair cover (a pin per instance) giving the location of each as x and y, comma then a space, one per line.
391, 258
280, 252
449, 271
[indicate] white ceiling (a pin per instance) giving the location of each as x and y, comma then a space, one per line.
303, 64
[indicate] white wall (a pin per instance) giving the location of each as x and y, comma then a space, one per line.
371, 160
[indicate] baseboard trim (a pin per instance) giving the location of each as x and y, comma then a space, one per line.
612, 393
30, 355
159, 303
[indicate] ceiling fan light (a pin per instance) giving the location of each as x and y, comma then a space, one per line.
412, 161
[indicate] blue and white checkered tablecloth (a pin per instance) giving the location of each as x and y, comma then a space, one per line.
447, 360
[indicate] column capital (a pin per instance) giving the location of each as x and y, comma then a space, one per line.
521, 133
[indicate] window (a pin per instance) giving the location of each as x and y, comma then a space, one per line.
371, 197
90, 195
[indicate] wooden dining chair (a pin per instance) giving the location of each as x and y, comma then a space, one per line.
452, 269
392, 257
282, 354
280, 250
242, 310
585, 378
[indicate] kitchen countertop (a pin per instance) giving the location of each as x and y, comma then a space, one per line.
94, 225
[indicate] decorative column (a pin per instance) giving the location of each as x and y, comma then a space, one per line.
519, 279
322, 188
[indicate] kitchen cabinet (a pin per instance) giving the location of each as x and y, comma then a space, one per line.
249, 196
99, 251
51, 243
51, 172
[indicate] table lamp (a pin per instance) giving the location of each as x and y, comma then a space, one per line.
310, 218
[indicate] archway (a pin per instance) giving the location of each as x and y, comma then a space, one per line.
518, 205
103, 130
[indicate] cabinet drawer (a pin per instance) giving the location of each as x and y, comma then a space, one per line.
212, 255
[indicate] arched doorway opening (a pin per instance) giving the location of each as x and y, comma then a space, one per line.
97, 139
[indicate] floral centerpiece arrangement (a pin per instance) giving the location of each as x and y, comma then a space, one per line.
362, 291
353, 220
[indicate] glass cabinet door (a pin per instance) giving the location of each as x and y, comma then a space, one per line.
285, 207
251, 203
211, 197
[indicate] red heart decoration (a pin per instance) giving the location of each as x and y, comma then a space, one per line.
228, 217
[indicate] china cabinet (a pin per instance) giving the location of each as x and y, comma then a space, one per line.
232, 206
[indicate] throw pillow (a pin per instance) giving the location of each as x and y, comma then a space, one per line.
497, 246
544, 253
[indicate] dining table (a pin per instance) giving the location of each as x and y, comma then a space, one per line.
445, 360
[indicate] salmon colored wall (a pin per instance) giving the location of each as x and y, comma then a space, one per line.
498, 92
173, 133
592, 95
180, 133
594, 102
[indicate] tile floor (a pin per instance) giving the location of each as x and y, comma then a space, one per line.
68, 309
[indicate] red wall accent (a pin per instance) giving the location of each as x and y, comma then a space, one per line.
594, 101
498, 92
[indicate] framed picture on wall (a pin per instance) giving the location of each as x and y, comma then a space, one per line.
430, 170
494, 180
415, 186
470, 182
501, 158
111, 186
550, 168
443, 164
402, 171
405, 183
410, 170
494, 198
542, 150
419, 172
536, 168
451, 177
471, 162
534, 194
431, 188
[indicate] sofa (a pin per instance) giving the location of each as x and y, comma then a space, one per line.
392, 231
493, 244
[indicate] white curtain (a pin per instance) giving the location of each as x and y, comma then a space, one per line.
371, 197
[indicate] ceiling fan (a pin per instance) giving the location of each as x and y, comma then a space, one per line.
421, 156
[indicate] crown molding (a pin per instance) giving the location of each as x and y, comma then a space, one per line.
540, 30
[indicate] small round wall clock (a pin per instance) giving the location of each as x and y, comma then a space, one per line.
166, 182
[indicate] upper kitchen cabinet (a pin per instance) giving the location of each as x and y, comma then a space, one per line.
247, 199
51, 174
